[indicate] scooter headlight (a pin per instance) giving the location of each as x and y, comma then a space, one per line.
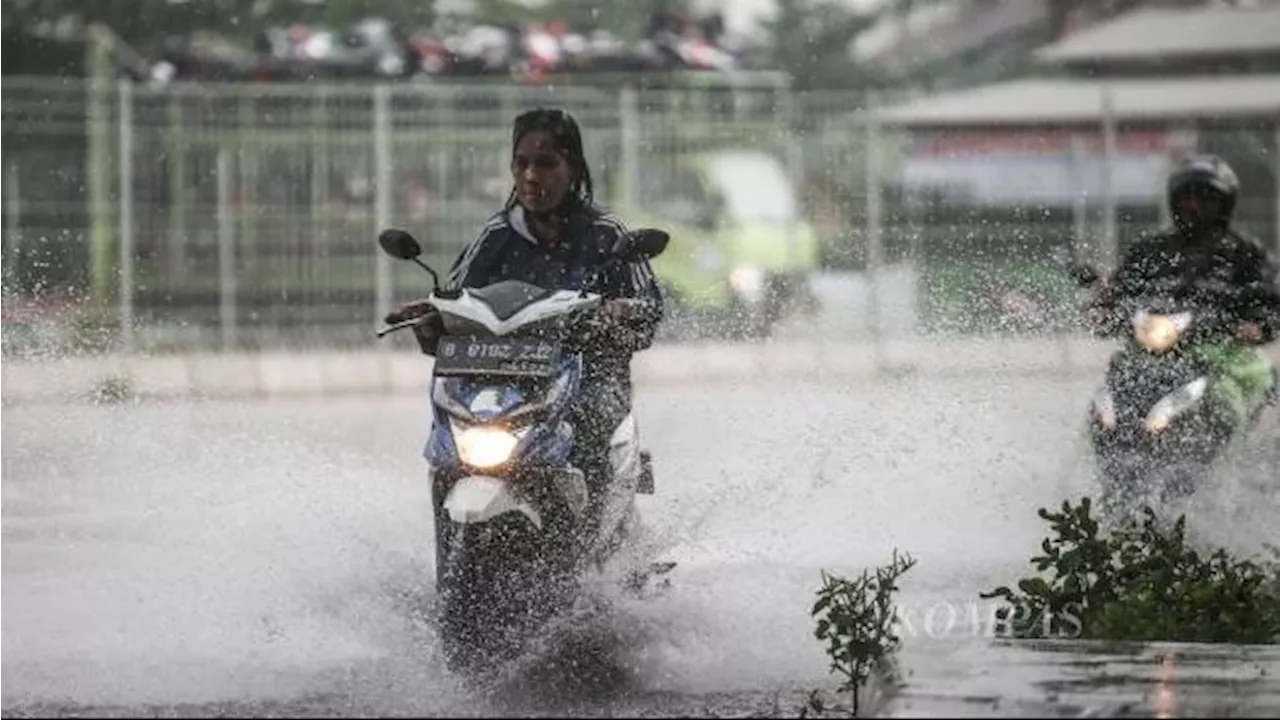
1159, 333
486, 447
1175, 403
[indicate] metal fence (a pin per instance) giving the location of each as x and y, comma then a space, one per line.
988, 216
244, 216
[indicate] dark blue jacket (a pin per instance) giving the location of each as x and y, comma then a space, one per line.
507, 250
1228, 255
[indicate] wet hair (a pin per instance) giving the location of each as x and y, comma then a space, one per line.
564, 131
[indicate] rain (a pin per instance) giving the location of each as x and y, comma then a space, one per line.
225, 492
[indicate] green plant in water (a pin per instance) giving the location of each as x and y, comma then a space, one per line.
1140, 583
94, 330
112, 389
857, 618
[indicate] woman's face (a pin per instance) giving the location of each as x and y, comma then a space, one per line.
541, 174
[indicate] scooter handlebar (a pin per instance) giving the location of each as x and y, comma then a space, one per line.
401, 325
589, 320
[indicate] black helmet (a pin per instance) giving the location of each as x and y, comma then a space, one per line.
1202, 192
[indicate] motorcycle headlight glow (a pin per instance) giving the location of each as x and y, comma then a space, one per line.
747, 282
1159, 333
1175, 403
486, 447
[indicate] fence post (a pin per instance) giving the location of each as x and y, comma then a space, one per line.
794, 161
176, 164
1080, 200
226, 253
383, 178
629, 136
1275, 174
1110, 239
126, 216
99, 163
13, 233
1081, 243
874, 227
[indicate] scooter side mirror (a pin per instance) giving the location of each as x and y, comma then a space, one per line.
1084, 274
641, 244
399, 244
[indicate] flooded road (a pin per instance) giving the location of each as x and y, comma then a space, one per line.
274, 558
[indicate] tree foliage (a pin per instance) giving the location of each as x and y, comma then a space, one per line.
811, 40
626, 20
45, 35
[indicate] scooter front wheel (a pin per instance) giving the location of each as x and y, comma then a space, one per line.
496, 589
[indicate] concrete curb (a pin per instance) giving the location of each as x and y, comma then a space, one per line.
326, 373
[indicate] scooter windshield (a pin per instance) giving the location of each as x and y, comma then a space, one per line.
486, 400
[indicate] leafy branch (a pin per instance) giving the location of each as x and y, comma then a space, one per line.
857, 621
1142, 583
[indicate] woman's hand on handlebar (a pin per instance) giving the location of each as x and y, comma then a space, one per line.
604, 321
619, 310
409, 311
428, 331
1249, 332
614, 310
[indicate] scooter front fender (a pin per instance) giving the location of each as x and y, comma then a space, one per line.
480, 498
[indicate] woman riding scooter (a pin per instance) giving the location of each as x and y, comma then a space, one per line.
552, 234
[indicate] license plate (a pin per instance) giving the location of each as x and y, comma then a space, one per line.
457, 355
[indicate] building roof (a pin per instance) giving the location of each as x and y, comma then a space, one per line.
1068, 101
1162, 32
944, 29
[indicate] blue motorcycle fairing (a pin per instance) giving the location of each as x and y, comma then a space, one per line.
503, 400
548, 442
